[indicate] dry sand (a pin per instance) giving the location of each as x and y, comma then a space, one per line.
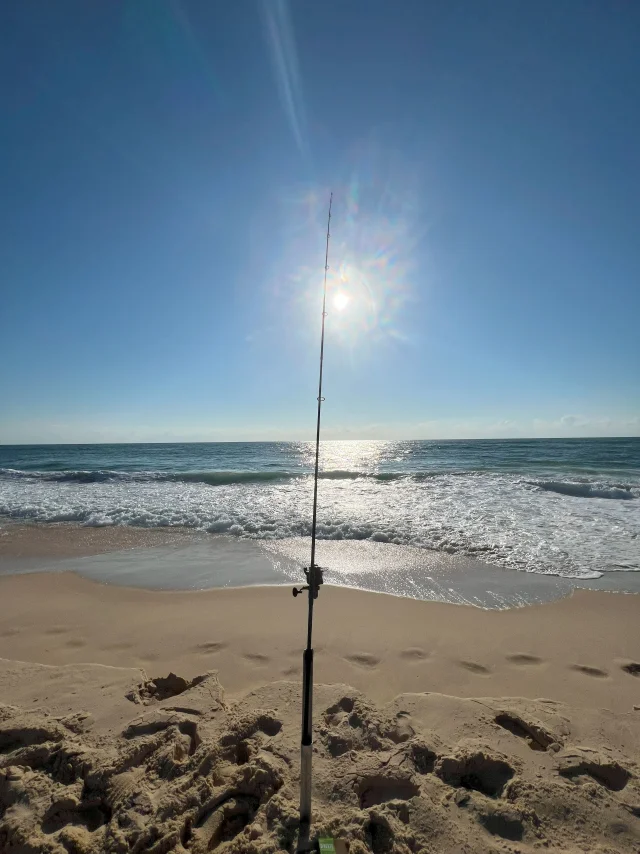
573, 650
437, 727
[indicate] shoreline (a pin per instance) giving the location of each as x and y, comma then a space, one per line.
188, 559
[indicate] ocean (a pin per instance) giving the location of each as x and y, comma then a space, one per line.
563, 507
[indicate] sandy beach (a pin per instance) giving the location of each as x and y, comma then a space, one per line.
147, 720
573, 650
339, 300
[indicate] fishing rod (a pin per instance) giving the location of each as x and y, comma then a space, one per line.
314, 579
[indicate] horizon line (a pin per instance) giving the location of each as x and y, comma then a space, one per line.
287, 441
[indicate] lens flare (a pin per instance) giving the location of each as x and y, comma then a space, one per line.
340, 301
376, 233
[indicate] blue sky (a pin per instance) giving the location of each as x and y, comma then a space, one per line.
165, 170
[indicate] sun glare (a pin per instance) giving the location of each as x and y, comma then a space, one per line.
340, 301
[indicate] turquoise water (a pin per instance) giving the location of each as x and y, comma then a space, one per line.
566, 507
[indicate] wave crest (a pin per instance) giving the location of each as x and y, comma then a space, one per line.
212, 478
586, 490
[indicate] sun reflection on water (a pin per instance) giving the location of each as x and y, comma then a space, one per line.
346, 456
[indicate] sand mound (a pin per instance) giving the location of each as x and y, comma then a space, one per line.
192, 772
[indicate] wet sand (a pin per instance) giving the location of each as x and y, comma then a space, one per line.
66, 540
182, 559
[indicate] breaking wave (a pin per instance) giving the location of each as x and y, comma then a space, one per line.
212, 478
586, 490
528, 520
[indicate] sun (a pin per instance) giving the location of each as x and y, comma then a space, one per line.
340, 301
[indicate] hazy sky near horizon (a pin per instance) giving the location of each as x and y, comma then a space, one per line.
165, 168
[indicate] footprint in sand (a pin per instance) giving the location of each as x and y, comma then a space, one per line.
534, 733
414, 653
119, 647
210, 646
590, 671
605, 771
378, 789
7, 633
294, 670
257, 657
56, 630
632, 668
76, 643
524, 659
474, 667
363, 659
